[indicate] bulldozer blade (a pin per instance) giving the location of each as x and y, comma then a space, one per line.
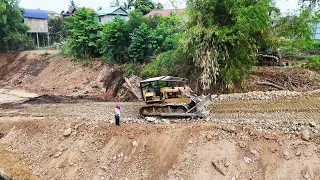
200, 106
205, 101
179, 115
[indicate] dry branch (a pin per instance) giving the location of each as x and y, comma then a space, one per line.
270, 84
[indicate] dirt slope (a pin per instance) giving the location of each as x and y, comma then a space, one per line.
256, 135
245, 139
98, 150
41, 72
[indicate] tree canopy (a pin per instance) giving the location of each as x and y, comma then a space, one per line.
114, 40
144, 6
223, 36
12, 29
83, 28
143, 44
72, 5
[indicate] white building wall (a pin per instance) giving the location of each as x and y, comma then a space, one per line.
107, 18
316, 32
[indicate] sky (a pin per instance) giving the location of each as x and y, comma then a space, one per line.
59, 5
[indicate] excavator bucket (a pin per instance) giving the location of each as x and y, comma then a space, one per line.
196, 111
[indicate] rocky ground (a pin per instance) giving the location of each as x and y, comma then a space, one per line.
67, 131
272, 135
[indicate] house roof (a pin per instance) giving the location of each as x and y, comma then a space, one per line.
73, 10
111, 10
69, 11
35, 13
165, 12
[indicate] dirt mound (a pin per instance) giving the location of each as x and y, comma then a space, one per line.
293, 79
45, 73
275, 138
98, 150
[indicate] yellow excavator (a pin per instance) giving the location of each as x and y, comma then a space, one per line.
169, 96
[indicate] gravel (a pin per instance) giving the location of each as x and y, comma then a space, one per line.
284, 119
259, 95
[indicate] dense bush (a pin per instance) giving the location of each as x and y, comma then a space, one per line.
223, 36
19, 42
143, 44
12, 29
313, 63
84, 34
114, 40
173, 63
300, 49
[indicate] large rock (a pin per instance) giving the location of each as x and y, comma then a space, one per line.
151, 119
305, 135
312, 124
67, 132
135, 144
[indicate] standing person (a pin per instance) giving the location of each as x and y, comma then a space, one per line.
117, 114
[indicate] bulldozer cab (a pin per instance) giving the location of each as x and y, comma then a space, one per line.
164, 89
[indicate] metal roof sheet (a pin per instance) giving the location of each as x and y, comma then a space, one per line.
35, 13
110, 10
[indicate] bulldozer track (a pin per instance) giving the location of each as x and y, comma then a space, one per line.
157, 110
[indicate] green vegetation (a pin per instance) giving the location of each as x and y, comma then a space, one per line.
213, 44
55, 24
143, 44
172, 62
114, 40
223, 36
84, 34
313, 63
13, 32
144, 6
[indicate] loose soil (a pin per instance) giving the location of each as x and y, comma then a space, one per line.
237, 136
65, 132
43, 72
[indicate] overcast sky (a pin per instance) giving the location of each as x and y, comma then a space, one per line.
59, 5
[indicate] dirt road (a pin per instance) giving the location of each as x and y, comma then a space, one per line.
245, 139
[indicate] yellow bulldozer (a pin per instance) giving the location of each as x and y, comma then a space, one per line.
169, 96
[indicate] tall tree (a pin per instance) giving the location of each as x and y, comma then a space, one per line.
223, 36
84, 34
127, 4
143, 44
115, 3
12, 29
144, 6
158, 6
55, 24
136, 19
72, 5
114, 40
